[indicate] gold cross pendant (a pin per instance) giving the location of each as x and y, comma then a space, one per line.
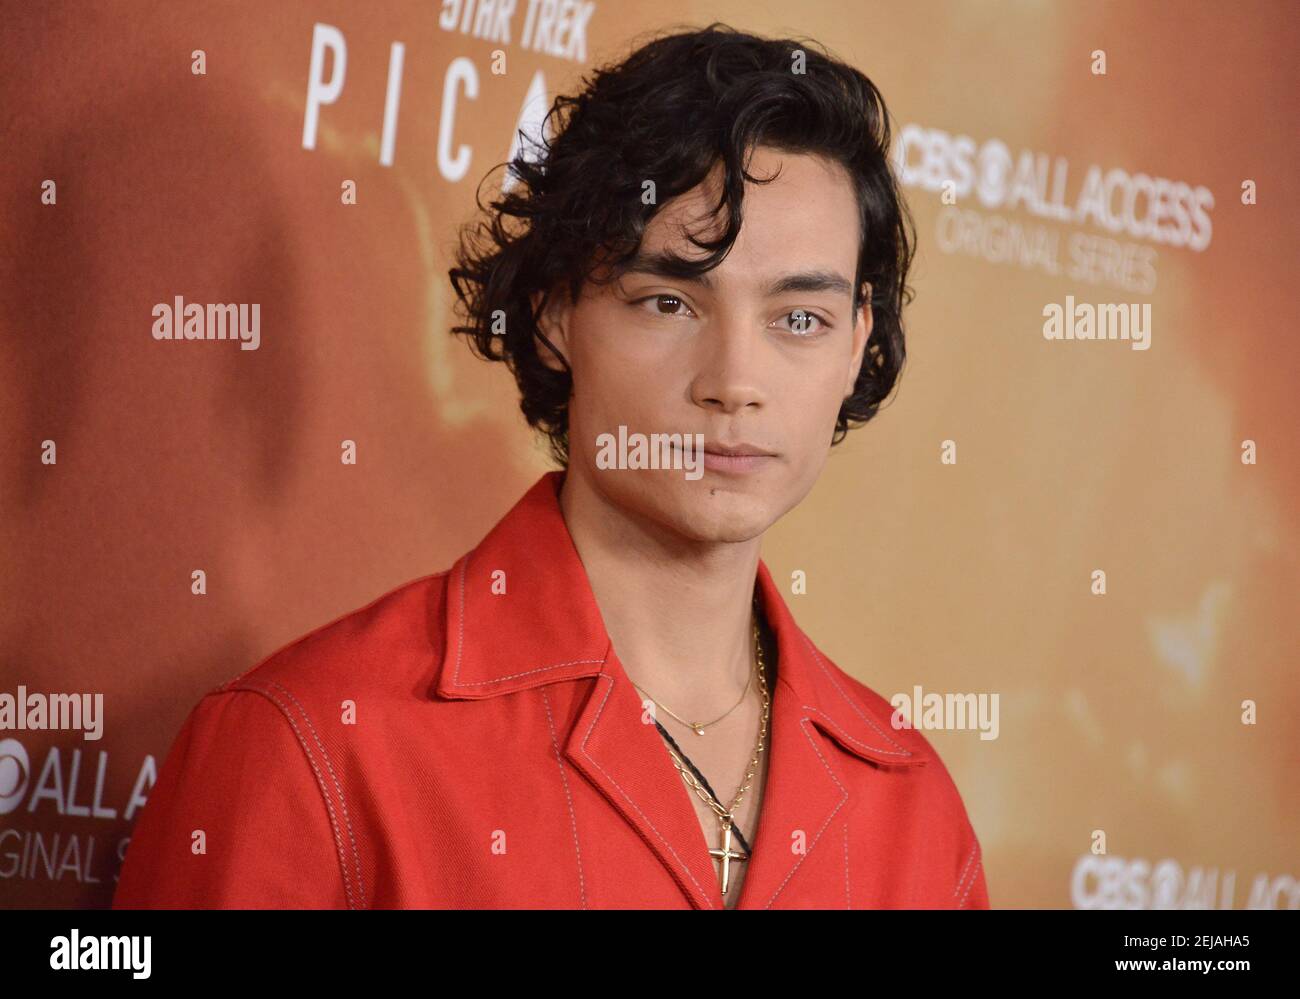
726, 854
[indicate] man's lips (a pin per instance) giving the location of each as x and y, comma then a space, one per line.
735, 462
718, 456
737, 450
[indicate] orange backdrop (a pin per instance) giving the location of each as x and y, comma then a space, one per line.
1119, 713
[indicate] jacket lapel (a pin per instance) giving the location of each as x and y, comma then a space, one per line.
815, 723
520, 613
620, 751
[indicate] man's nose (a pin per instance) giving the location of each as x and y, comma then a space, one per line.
730, 358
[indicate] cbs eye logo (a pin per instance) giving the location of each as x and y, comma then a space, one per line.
14, 771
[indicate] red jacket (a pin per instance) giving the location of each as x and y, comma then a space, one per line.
449, 747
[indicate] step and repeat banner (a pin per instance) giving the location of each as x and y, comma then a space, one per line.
1077, 514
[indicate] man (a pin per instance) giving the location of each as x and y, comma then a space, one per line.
607, 702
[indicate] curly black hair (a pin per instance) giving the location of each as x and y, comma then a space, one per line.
670, 112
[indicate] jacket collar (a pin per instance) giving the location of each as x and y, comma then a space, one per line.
520, 613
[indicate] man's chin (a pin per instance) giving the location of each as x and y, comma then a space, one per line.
712, 508
719, 511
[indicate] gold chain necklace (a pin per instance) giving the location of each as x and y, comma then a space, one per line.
726, 815
699, 727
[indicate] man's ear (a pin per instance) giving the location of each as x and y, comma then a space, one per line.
554, 324
861, 334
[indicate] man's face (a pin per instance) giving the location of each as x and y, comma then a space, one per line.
734, 357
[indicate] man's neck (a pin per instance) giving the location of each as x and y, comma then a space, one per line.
678, 611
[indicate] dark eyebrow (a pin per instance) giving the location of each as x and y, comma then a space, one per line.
670, 265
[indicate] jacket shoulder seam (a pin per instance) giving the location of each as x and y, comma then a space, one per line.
355, 893
969, 870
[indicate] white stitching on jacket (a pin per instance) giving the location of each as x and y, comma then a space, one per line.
343, 804
460, 645
807, 735
320, 782
605, 676
852, 704
975, 849
848, 893
568, 798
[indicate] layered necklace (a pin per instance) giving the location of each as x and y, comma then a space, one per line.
695, 780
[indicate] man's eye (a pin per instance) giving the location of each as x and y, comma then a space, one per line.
664, 305
805, 323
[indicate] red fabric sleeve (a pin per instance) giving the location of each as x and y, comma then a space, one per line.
972, 891
239, 772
